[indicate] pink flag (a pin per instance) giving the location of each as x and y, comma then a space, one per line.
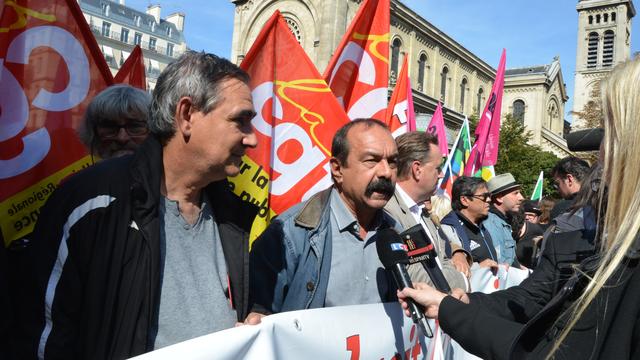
436, 127
484, 152
400, 116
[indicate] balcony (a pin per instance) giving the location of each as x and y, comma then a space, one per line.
115, 36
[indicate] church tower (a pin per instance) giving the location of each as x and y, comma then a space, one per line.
604, 40
317, 24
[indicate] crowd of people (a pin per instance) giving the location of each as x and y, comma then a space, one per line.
150, 247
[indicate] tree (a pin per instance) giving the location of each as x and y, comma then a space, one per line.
523, 160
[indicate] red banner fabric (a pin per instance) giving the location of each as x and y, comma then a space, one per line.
50, 68
132, 71
400, 116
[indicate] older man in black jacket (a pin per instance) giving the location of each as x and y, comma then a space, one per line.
144, 251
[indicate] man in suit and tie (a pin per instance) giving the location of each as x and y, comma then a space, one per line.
419, 161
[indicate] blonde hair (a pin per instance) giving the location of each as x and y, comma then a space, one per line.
621, 110
440, 206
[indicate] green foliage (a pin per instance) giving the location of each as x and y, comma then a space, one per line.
522, 160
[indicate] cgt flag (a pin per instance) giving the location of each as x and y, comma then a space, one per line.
358, 72
50, 68
297, 116
484, 153
400, 116
132, 71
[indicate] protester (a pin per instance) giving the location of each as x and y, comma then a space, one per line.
527, 235
597, 312
532, 211
419, 160
115, 122
464, 225
144, 251
440, 207
546, 205
505, 199
322, 252
567, 175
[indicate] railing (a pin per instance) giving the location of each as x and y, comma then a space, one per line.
130, 40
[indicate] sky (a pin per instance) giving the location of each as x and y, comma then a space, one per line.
533, 32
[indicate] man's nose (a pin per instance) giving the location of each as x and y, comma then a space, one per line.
384, 169
250, 139
122, 136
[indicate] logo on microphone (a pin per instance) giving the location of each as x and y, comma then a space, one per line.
398, 247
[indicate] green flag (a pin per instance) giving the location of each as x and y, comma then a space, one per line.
537, 191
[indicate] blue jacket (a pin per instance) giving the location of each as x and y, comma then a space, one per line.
503, 241
454, 220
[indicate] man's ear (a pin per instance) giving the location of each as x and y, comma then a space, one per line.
336, 170
570, 180
416, 170
498, 200
184, 112
464, 201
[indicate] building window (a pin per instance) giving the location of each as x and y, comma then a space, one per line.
105, 8
479, 101
592, 50
598, 19
136, 20
553, 114
605, 17
463, 89
590, 19
153, 25
613, 16
124, 35
443, 84
607, 49
294, 28
518, 111
152, 43
106, 29
395, 59
168, 30
422, 69
137, 38
170, 49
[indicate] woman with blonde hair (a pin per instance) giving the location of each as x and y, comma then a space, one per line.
596, 314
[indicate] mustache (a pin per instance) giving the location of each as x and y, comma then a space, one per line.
382, 185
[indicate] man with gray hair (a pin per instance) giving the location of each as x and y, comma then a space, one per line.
144, 251
115, 122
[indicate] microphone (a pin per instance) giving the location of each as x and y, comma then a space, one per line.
421, 250
393, 256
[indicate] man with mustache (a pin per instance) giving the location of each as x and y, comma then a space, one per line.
322, 252
140, 252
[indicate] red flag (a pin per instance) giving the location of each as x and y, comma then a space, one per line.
50, 68
484, 152
297, 118
358, 72
132, 71
400, 116
436, 127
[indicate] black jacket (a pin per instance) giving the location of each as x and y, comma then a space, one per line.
100, 233
524, 317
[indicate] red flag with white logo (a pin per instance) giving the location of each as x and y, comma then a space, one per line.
358, 72
400, 116
297, 116
132, 71
50, 68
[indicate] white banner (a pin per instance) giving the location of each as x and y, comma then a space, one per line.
376, 331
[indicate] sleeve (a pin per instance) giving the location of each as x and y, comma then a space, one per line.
268, 281
477, 330
453, 276
449, 234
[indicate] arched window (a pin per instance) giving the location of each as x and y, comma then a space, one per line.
607, 49
598, 19
590, 19
395, 59
592, 50
443, 83
613, 16
605, 17
463, 89
553, 114
422, 69
294, 28
518, 110
479, 101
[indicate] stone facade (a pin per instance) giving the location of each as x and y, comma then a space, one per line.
441, 69
118, 28
604, 32
536, 95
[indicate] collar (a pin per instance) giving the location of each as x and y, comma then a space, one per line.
344, 218
411, 204
466, 222
498, 213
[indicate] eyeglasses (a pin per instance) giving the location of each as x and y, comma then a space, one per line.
108, 131
482, 197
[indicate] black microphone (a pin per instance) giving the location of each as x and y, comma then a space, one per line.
421, 250
393, 256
